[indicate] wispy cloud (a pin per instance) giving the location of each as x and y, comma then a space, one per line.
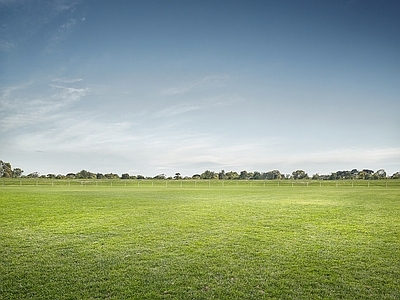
175, 110
62, 33
67, 81
21, 109
34, 19
7, 46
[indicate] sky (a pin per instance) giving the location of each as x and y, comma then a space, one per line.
161, 87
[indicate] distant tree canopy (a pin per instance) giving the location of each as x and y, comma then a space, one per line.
6, 171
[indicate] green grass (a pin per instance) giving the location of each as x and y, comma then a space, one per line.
232, 242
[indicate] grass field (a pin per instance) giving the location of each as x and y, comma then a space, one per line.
88, 241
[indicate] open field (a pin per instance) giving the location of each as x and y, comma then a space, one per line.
204, 240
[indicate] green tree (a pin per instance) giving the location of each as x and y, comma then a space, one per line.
333, 176
33, 175
395, 175
256, 176
5, 169
315, 176
85, 175
125, 176
380, 174
111, 176
222, 175
299, 174
274, 174
209, 175
244, 175
231, 175
17, 172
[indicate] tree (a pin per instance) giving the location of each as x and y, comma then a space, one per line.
125, 176
5, 169
111, 176
85, 175
256, 176
243, 175
209, 175
333, 176
222, 175
343, 175
380, 174
274, 174
299, 174
17, 172
232, 175
160, 176
315, 176
177, 176
33, 175
365, 174
395, 175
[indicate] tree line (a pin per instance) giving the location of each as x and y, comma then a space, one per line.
6, 171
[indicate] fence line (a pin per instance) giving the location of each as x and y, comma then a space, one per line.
198, 183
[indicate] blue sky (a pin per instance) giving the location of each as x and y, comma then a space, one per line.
151, 87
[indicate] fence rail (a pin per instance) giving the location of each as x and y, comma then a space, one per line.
198, 183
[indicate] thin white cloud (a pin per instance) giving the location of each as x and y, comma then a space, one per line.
62, 5
21, 109
62, 33
35, 16
67, 81
7, 46
79, 133
172, 91
175, 110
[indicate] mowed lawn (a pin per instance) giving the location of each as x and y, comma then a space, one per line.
88, 242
